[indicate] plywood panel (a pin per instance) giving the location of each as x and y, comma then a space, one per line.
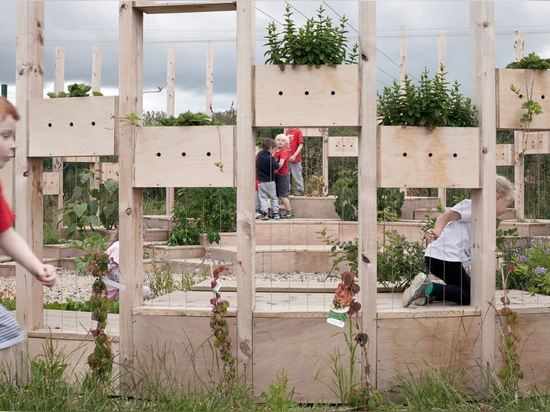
535, 143
532, 85
409, 344
110, 170
50, 183
75, 126
184, 156
505, 155
302, 96
418, 157
343, 146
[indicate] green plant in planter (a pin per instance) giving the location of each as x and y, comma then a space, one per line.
203, 210
389, 201
75, 90
187, 118
317, 43
431, 103
90, 208
531, 107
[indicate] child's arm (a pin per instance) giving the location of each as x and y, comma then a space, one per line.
14, 245
440, 223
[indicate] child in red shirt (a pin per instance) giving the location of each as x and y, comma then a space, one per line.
282, 178
10, 241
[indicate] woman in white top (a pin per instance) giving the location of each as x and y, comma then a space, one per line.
448, 253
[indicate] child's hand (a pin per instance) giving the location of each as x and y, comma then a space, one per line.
431, 235
47, 275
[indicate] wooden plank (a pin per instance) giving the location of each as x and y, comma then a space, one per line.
446, 342
532, 85
505, 155
302, 96
418, 157
110, 170
482, 30
156, 7
245, 172
368, 166
51, 183
28, 172
162, 150
343, 146
535, 143
76, 126
130, 198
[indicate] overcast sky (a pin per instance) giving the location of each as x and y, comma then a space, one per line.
80, 25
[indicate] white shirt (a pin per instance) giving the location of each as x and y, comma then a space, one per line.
453, 245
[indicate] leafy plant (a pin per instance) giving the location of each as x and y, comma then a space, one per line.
161, 279
315, 186
88, 208
220, 328
511, 372
531, 62
203, 210
529, 262
279, 398
431, 104
317, 43
341, 251
346, 192
96, 263
185, 119
398, 261
75, 90
8, 298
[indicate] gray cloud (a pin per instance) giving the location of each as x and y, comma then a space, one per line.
79, 26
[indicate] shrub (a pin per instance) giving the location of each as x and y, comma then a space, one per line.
431, 104
203, 210
317, 43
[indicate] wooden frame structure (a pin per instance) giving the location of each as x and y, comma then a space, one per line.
264, 338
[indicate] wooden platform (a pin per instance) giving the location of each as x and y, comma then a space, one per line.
286, 299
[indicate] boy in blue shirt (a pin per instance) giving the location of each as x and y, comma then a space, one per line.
266, 165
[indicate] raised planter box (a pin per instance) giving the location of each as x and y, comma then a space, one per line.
532, 85
72, 126
304, 96
421, 158
314, 207
185, 156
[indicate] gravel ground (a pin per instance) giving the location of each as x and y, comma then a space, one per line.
72, 286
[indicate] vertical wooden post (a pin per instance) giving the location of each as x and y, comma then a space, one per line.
28, 171
209, 78
324, 136
367, 161
484, 200
442, 59
97, 62
130, 198
170, 111
58, 86
244, 148
402, 55
519, 164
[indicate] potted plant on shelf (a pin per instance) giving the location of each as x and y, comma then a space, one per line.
72, 123
428, 135
177, 143
310, 78
521, 91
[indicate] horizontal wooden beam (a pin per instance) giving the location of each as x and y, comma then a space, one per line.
165, 7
